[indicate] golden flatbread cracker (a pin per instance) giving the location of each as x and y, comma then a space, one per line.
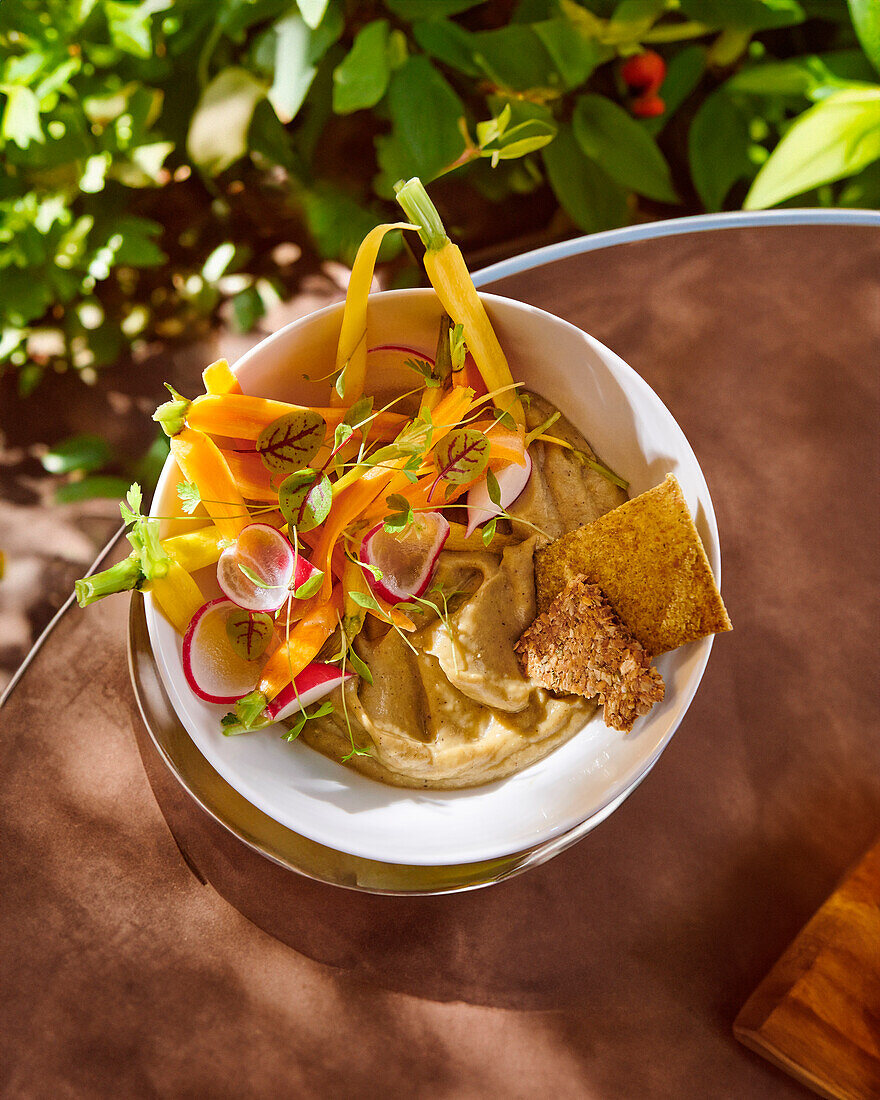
649, 560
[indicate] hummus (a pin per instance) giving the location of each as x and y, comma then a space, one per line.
452, 708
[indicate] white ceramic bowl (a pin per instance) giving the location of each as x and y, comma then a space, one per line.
586, 778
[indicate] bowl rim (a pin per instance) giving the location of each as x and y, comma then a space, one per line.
622, 787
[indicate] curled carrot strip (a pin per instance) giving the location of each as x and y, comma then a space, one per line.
201, 461
251, 475
301, 647
244, 416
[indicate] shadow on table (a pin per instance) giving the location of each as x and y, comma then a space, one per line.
575, 933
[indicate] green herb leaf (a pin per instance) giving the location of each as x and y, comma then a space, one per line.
358, 665
462, 455
310, 587
489, 531
359, 413
425, 369
292, 441
493, 488
189, 495
130, 508
504, 418
305, 499
255, 578
339, 382
365, 599
249, 633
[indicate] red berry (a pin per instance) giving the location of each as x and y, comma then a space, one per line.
647, 106
645, 72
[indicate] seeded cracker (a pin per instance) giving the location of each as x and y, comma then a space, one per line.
648, 559
579, 646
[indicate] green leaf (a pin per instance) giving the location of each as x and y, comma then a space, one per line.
249, 633
313, 11
305, 498
310, 587
718, 148
362, 78
462, 455
292, 441
362, 669
838, 137
77, 452
424, 113
21, 119
612, 137
359, 413
247, 309
574, 54
448, 43
294, 71
130, 25
866, 20
493, 488
219, 126
89, 488
514, 57
365, 599
189, 495
338, 223
759, 15
130, 508
590, 197
412, 10
631, 19
489, 531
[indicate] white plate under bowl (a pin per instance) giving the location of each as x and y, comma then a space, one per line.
632, 431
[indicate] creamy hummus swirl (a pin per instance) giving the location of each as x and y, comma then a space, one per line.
455, 710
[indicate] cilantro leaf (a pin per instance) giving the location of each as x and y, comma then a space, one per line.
189, 495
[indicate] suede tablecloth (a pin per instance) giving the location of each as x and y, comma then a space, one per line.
614, 971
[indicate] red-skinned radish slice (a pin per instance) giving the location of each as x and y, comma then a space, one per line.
313, 683
512, 480
407, 560
266, 554
212, 668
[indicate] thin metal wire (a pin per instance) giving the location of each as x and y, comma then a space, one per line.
56, 618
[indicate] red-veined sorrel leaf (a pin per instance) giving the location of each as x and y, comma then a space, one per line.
462, 455
305, 498
291, 441
249, 632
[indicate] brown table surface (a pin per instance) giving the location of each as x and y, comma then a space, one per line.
616, 969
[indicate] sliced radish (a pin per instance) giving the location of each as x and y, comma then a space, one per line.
212, 668
267, 554
406, 560
313, 683
512, 479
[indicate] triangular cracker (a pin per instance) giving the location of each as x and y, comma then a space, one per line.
648, 559
579, 646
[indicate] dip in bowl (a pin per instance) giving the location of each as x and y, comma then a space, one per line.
580, 781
